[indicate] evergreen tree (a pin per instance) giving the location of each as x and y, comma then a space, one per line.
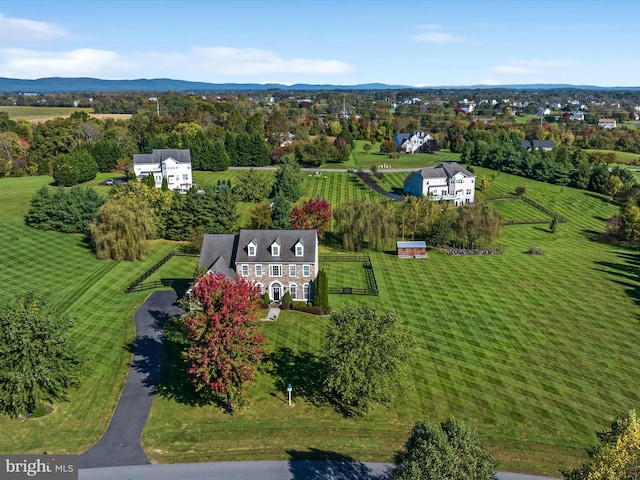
281, 212
321, 291
288, 181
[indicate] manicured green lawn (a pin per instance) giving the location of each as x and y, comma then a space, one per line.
537, 352
91, 291
361, 159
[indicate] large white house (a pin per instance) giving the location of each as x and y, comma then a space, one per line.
172, 164
416, 141
277, 261
447, 181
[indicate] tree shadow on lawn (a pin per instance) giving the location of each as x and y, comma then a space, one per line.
173, 379
629, 274
303, 371
306, 373
326, 465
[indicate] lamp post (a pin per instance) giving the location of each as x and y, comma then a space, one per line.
289, 390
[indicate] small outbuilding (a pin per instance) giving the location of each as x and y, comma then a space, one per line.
414, 249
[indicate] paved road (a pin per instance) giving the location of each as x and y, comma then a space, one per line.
263, 470
120, 445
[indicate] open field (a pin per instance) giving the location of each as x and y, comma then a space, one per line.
42, 114
536, 352
624, 158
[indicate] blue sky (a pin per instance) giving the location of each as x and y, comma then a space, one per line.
419, 43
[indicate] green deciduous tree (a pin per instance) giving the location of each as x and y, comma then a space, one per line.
477, 225
618, 455
365, 354
225, 341
122, 230
260, 216
357, 221
451, 451
38, 360
253, 185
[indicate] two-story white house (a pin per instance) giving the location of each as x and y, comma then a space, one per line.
415, 141
447, 181
277, 261
172, 164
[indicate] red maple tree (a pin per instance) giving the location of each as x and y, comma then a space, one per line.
314, 214
226, 344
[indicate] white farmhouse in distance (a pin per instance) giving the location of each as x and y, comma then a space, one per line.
172, 164
447, 181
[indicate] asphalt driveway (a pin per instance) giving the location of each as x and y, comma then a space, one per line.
120, 444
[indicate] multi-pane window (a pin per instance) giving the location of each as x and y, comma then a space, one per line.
245, 270
275, 270
299, 250
306, 270
292, 270
251, 250
305, 291
260, 289
293, 290
275, 250
258, 270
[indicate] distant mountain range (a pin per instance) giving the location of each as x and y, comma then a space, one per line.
71, 85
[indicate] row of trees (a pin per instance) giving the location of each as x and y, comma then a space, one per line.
361, 223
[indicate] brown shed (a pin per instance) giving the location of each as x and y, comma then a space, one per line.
417, 249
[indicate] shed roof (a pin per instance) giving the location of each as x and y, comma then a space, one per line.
412, 244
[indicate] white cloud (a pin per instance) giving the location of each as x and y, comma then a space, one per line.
29, 64
199, 63
436, 37
534, 67
19, 31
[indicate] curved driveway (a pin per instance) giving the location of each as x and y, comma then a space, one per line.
120, 444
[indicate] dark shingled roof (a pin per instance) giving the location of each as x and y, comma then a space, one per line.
218, 253
181, 155
444, 170
287, 239
222, 252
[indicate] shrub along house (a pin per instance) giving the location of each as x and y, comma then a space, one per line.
277, 261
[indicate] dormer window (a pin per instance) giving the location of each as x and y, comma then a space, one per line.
299, 250
275, 250
251, 249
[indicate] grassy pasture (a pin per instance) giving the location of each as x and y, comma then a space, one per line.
536, 352
361, 159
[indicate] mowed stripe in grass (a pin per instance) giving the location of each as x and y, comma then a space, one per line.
63, 268
537, 352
